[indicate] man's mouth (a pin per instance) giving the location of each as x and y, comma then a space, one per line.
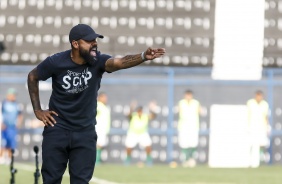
93, 51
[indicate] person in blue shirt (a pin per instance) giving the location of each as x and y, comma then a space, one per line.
69, 135
11, 119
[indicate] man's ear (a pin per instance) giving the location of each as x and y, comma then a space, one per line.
74, 43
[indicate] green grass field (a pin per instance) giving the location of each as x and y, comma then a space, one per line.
160, 174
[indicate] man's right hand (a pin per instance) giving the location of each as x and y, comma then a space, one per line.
46, 117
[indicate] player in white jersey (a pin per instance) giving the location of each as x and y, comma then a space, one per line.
258, 127
188, 127
103, 125
138, 131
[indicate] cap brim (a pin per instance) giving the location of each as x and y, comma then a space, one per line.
92, 36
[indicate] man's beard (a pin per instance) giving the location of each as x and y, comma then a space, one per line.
88, 58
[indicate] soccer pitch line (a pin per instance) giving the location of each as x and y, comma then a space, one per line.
93, 179
101, 181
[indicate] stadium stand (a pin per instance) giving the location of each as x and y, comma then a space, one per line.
273, 39
273, 59
184, 27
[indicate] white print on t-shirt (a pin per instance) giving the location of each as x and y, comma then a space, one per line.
75, 82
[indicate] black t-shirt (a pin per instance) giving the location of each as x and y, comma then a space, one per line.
75, 87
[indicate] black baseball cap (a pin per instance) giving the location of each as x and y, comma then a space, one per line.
84, 32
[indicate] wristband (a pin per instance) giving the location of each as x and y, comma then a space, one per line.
143, 57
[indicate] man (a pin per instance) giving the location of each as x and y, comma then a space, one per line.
103, 125
12, 119
188, 127
138, 132
69, 133
258, 127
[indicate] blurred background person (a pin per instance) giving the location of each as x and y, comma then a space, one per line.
258, 126
103, 125
138, 131
11, 120
188, 127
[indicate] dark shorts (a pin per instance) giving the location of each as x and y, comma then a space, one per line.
61, 146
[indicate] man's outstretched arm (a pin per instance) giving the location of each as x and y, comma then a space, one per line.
114, 64
33, 89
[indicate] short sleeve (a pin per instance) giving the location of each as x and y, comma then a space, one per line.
2, 107
20, 111
45, 69
103, 59
248, 103
266, 108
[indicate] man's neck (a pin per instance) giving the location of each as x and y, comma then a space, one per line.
76, 58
